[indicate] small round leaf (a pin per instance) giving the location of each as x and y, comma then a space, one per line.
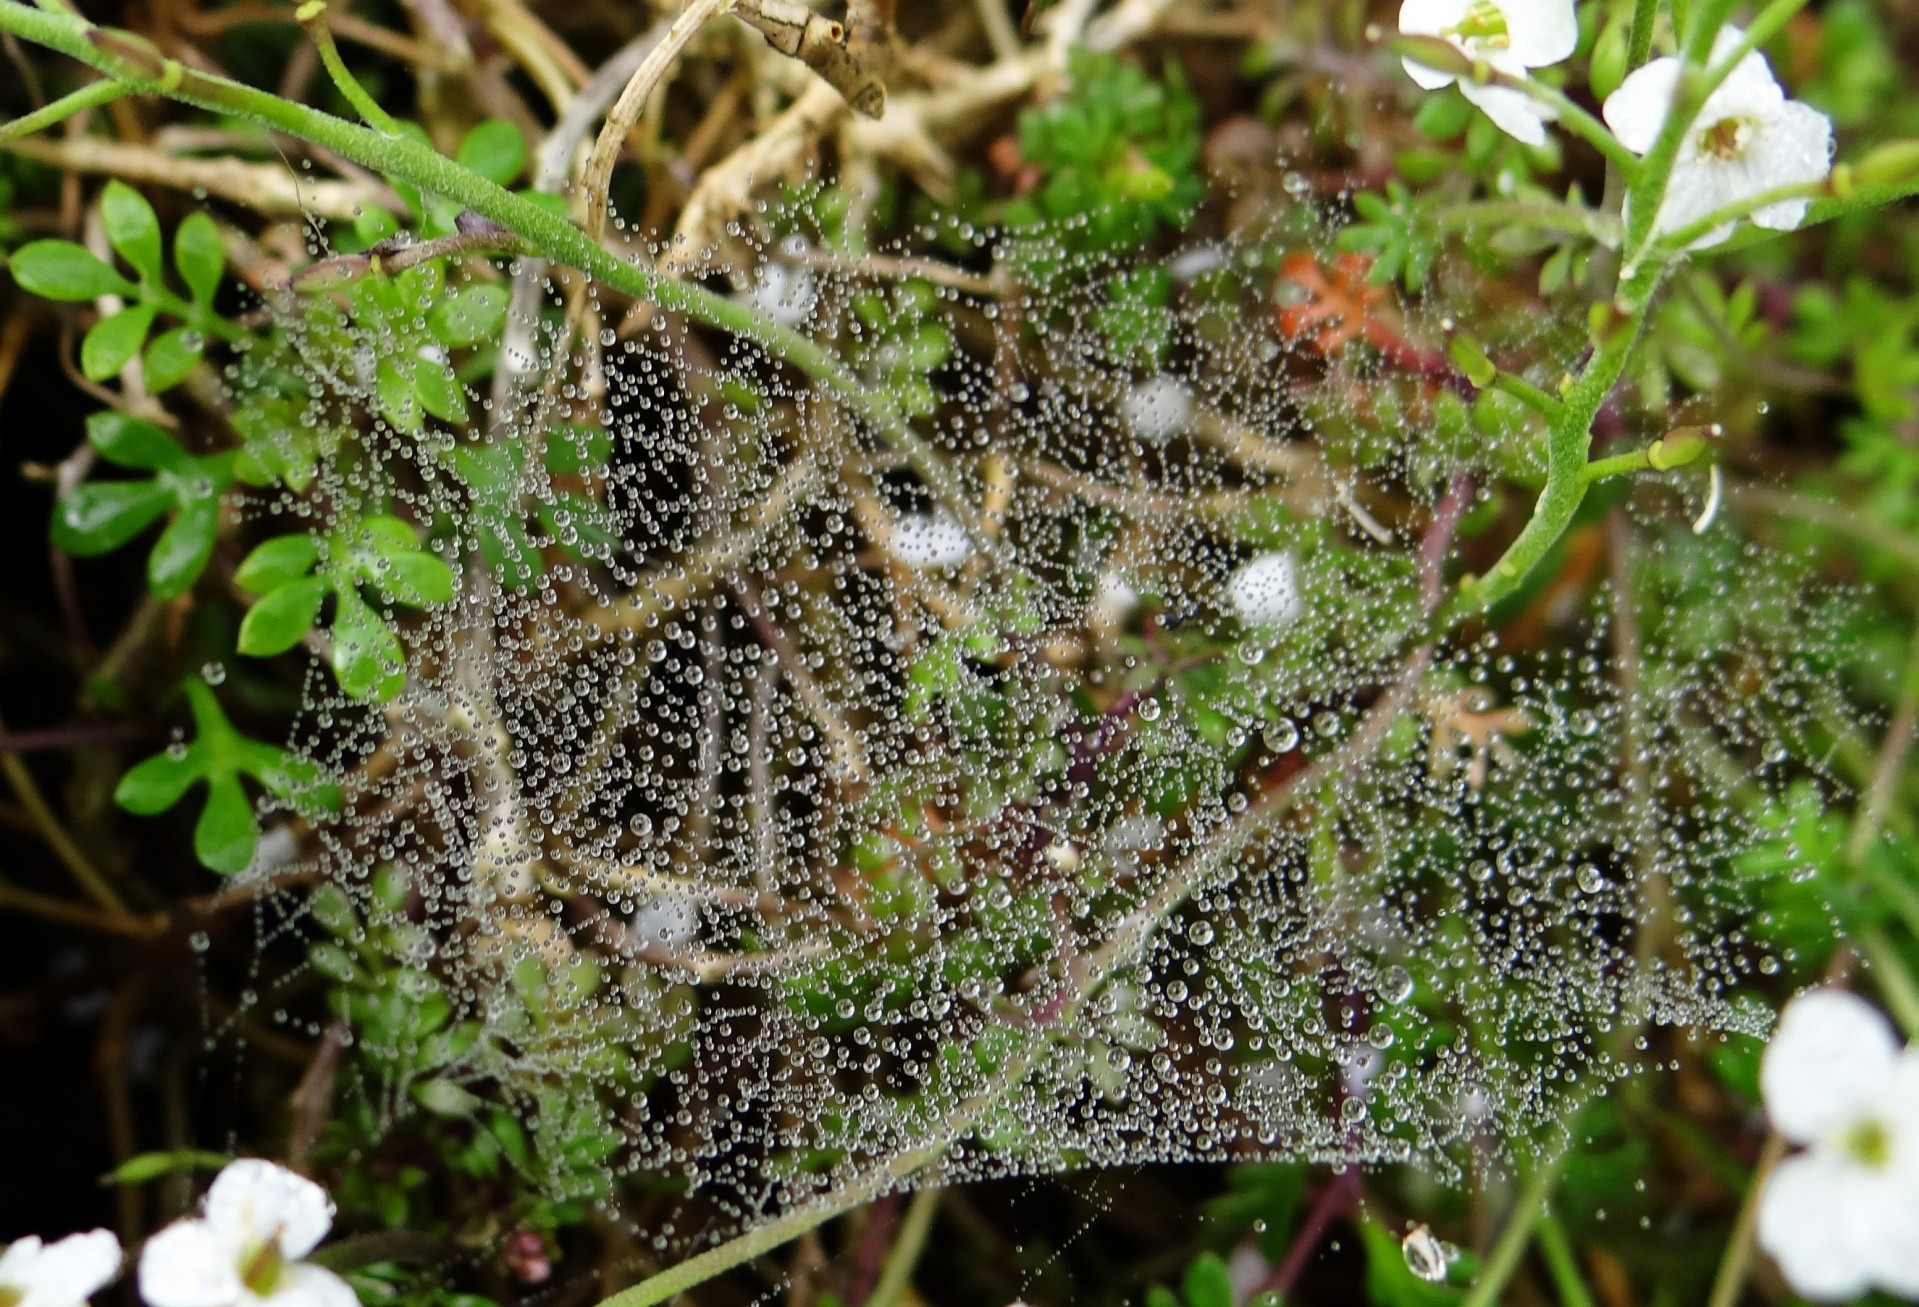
61, 270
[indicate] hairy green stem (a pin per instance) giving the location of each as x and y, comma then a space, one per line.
1678, 241
132, 61
1569, 438
1645, 16
1646, 188
312, 16
90, 96
1528, 394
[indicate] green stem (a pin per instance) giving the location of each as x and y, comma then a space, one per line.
90, 96
1646, 190
1736, 1261
1618, 465
898, 1270
1546, 215
1570, 116
1894, 978
1677, 242
1562, 1263
1504, 1259
129, 59
1568, 441
312, 16
1547, 406
1645, 16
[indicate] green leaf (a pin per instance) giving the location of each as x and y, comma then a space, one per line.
393, 385
367, 659
227, 833
469, 316
61, 270
275, 562
132, 229
284, 614
157, 783
414, 577
104, 515
438, 390
495, 150
114, 340
151, 1166
199, 257
171, 357
134, 442
1208, 1284
181, 553
577, 450
445, 1098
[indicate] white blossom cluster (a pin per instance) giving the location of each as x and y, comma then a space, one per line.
1746, 141
245, 1249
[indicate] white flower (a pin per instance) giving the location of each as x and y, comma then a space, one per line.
1509, 36
1748, 139
1264, 592
64, 1273
1842, 1216
1157, 408
258, 1221
931, 540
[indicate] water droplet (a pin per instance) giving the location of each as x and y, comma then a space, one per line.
1426, 1257
1396, 985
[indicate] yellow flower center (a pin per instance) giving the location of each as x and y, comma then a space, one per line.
1727, 138
11, 1294
1868, 1143
1485, 22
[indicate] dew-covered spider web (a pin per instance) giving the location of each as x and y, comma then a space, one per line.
768, 815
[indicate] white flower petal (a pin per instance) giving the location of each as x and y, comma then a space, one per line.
1810, 1221
1749, 88
190, 1264
254, 1200
1264, 592
70, 1270
1637, 109
1431, 17
1798, 148
1831, 1056
1513, 112
305, 1285
1427, 79
1541, 31
17, 1262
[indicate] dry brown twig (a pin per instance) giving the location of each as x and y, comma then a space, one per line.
267, 188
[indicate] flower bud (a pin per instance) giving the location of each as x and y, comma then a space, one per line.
1891, 164
1471, 360
1433, 52
1679, 447
1608, 61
